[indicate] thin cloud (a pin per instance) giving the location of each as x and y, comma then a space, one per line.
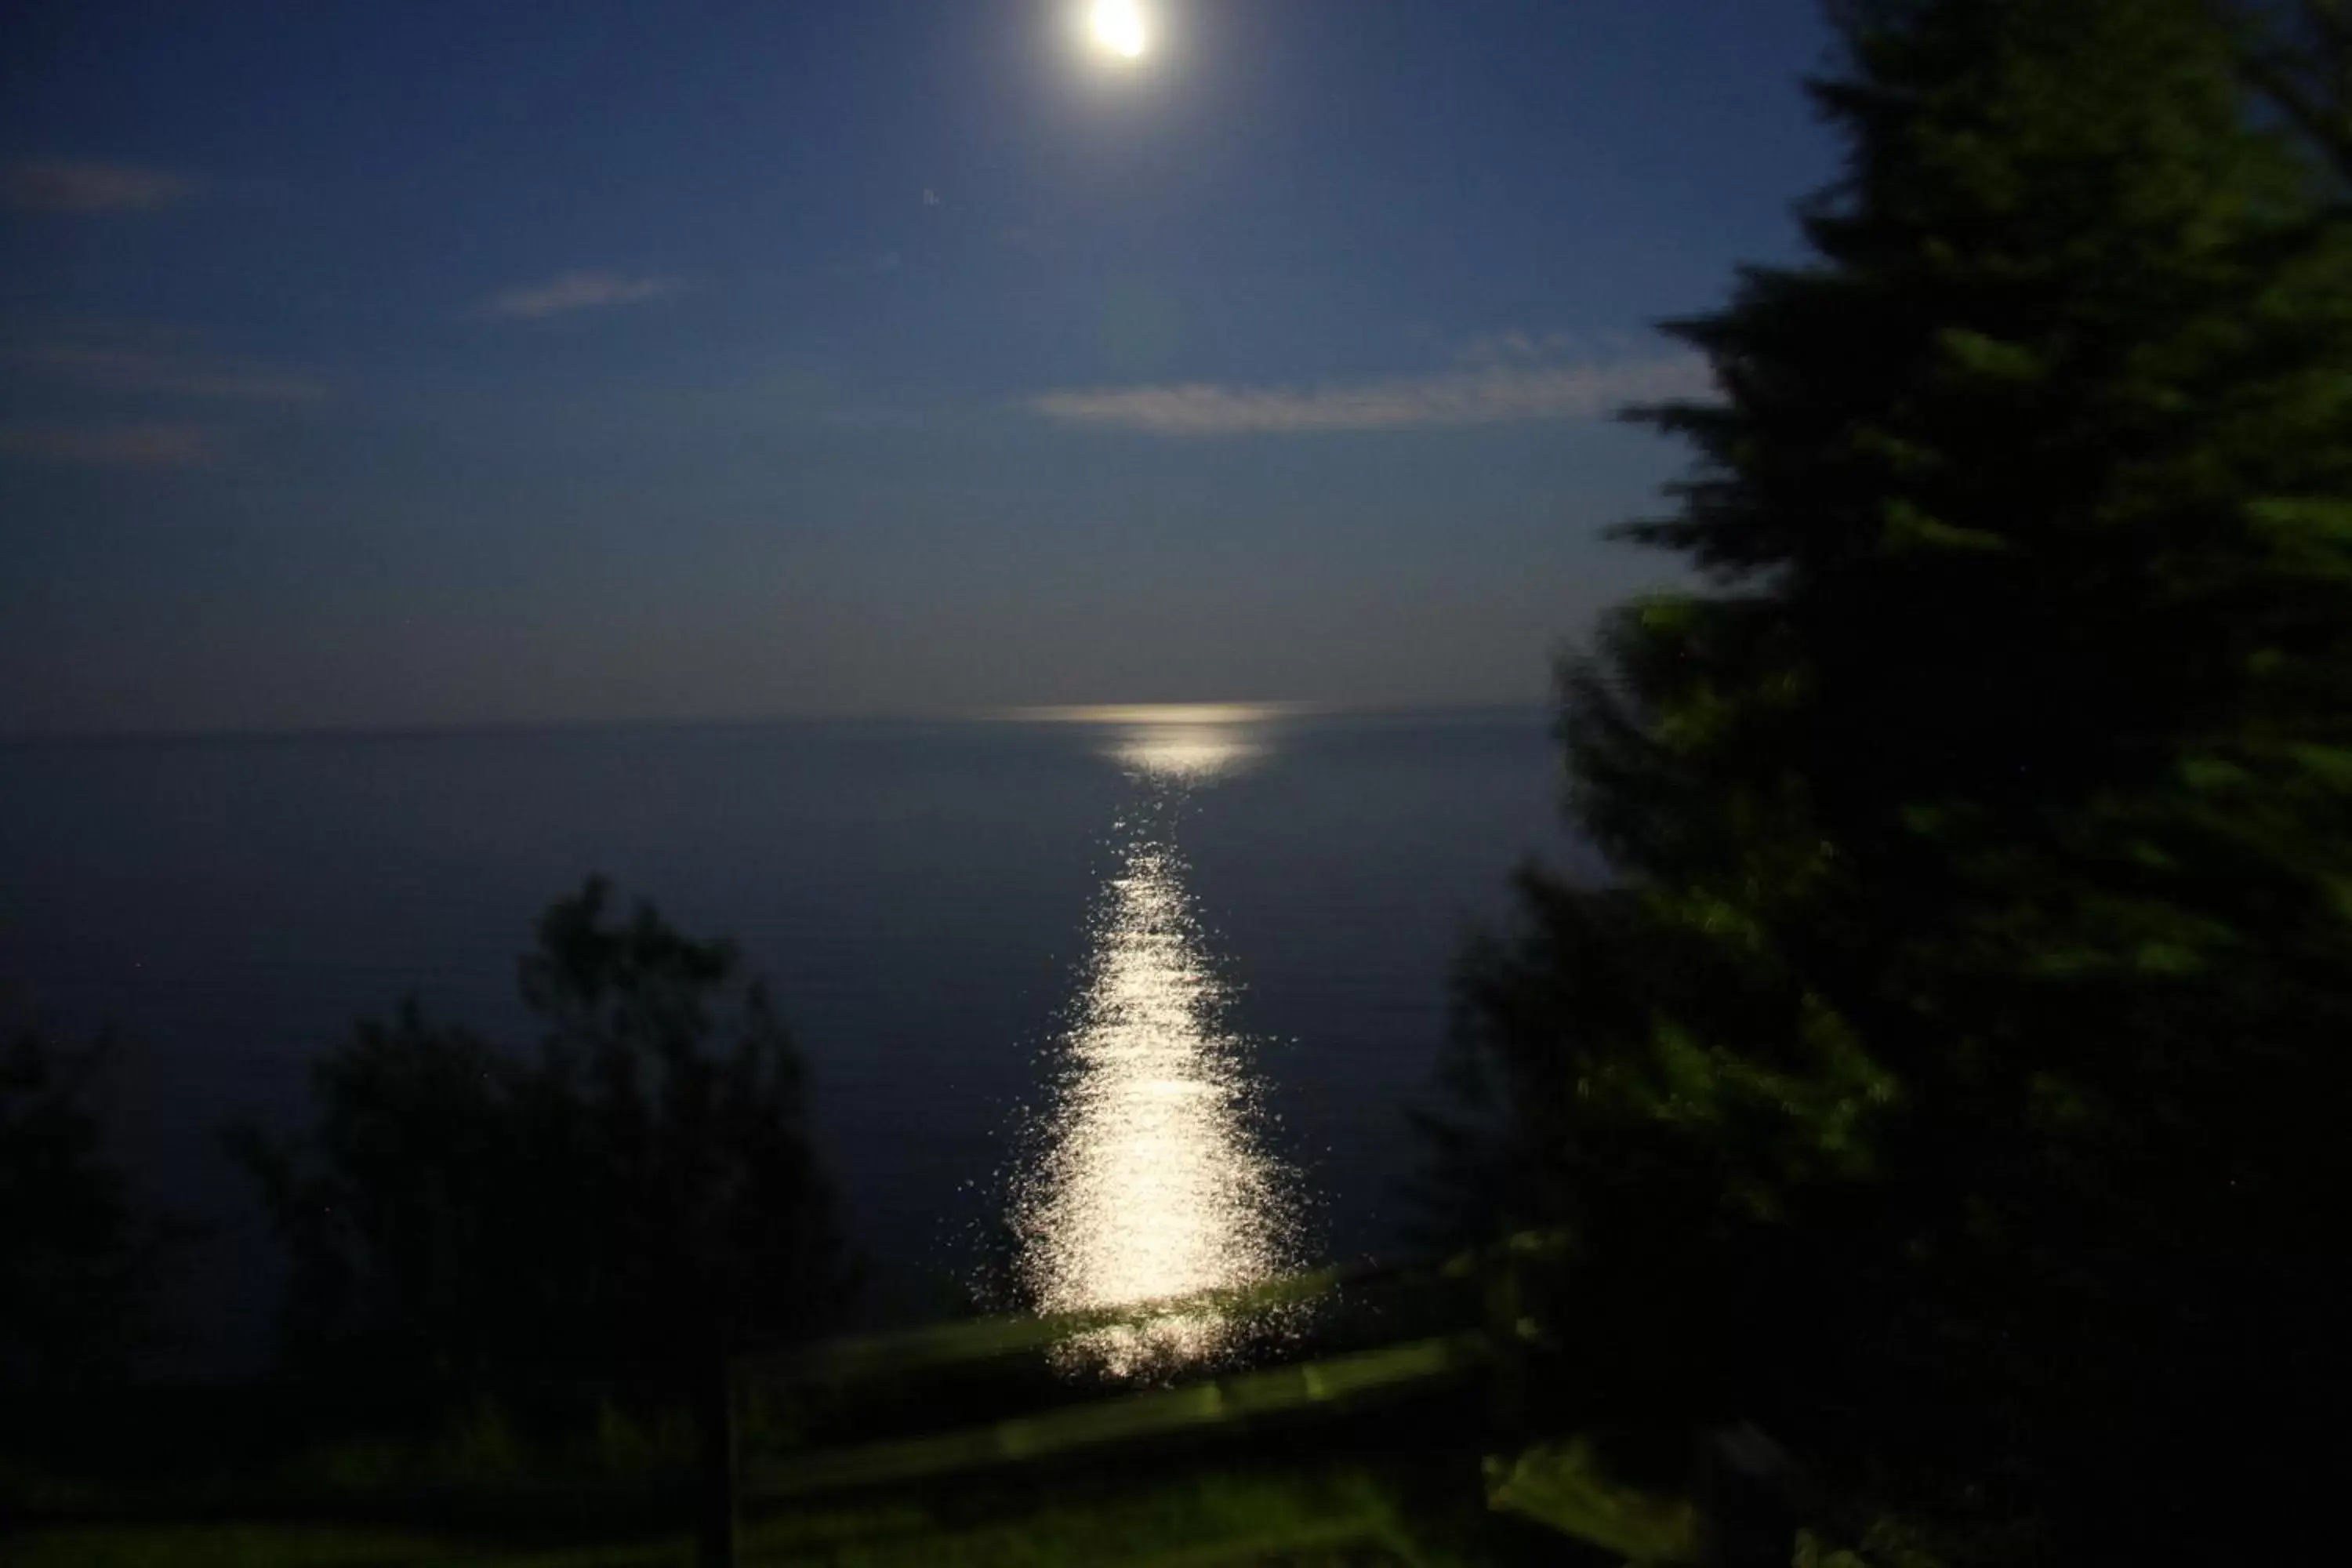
114, 446
137, 372
79, 186
1505, 348
1517, 347
577, 291
1512, 391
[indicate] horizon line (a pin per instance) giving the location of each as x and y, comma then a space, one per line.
1190, 712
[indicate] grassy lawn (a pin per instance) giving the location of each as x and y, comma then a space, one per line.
284, 1546
1349, 1517
1393, 1484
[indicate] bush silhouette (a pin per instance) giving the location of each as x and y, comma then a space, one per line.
610, 1206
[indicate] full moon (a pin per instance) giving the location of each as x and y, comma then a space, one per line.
1117, 26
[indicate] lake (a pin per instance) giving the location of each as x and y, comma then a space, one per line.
1155, 988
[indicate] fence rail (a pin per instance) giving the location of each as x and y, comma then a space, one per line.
1158, 1412
1225, 1403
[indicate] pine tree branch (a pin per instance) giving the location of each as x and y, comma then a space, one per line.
2307, 74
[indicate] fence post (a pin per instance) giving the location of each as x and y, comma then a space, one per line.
1747, 1518
1505, 1304
714, 1430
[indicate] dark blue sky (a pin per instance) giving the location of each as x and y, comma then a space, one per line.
420, 364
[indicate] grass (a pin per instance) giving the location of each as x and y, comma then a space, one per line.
1348, 1516
297, 1546
221, 1479
1563, 1486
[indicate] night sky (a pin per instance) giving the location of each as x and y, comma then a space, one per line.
420, 364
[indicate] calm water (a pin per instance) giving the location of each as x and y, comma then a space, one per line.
1154, 995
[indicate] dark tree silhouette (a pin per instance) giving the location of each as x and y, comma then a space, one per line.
82, 1262
606, 1207
2301, 59
1953, 1071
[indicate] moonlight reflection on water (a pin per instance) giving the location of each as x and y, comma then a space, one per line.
1151, 1180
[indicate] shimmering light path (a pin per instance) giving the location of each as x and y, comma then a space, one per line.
1150, 1181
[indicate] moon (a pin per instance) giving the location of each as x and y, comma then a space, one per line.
1118, 29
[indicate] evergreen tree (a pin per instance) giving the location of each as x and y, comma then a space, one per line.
1951, 1071
2301, 59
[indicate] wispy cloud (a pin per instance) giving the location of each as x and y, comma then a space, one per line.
114, 446
81, 186
1508, 388
140, 372
577, 291
1516, 346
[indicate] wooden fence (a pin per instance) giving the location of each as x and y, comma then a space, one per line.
1481, 1340
1739, 1517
